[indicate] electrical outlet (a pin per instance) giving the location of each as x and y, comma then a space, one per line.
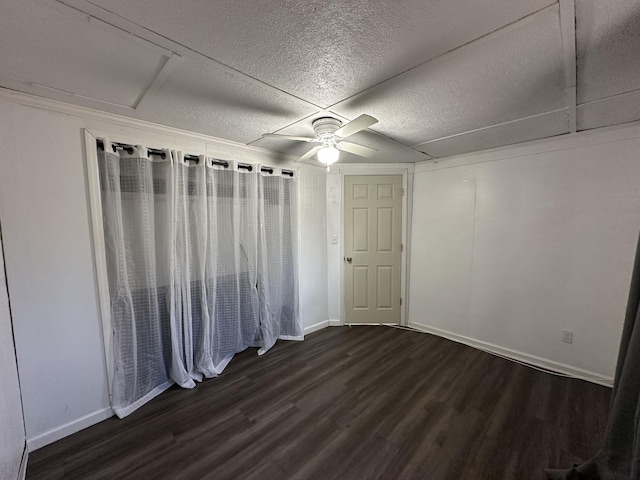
567, 336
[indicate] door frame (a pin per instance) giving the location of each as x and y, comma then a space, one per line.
401, 169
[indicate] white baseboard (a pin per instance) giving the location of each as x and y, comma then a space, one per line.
518, 356
320, 325
372, 324
315, 327
70, 428
22, 473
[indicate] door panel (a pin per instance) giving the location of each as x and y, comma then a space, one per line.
360, 287
360, 230
385, 229
373, 236
385, 286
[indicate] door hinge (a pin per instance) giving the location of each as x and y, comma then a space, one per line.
401, 248
402, 192
401, 301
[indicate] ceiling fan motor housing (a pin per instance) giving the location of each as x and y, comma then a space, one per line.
326, 126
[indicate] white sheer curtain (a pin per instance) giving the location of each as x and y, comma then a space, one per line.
201, 263
277, 267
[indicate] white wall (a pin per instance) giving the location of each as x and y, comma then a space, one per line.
12, 436
511, 247
45, 221
46, 224
312, 249
334, 250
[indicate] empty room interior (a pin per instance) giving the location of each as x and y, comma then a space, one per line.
319, 239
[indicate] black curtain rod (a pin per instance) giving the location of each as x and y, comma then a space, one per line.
191, 158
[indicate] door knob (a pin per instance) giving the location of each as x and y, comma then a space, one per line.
348, 259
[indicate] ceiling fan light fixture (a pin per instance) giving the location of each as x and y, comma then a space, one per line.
331, 134
328, 155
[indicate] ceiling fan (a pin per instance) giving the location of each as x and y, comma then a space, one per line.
330, 133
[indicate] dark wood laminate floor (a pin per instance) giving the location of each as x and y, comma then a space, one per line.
348, 403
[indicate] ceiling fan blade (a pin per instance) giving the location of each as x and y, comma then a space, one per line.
354, 126
289, 137
357, 149
309, 154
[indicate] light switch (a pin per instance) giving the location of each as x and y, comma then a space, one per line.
334, 239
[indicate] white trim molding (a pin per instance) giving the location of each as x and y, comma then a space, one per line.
99, 253
324, 324
315, 327
67, 429
521, 357
372, 325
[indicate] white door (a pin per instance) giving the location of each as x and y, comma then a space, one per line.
373, 250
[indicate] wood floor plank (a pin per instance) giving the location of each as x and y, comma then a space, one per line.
347, 403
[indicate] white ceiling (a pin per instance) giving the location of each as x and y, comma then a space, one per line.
443, 77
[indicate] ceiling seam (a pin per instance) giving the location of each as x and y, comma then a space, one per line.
568, 36
188, 51
610, 96
481, 37
79, 95
496, 150
426, 142
169, 66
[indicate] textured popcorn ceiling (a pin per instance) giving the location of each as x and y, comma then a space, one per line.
513, 73
443, 77
323, 51
608, 35
40, 44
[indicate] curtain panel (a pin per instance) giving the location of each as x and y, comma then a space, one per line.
201, 262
